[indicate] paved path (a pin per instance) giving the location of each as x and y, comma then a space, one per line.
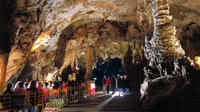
106, 103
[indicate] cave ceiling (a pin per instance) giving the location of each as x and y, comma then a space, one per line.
54, 33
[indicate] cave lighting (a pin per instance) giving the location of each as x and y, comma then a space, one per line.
42, 39
197, 61
117, 93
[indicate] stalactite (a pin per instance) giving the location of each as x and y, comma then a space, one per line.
67, 60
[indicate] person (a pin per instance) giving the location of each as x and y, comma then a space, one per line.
26, 85
16, 86
40, 95
113, 83
64, 86
50, 86
120, 84
55, 94
107, 84
123, 84
20, 89
46, 92
104, 84
7, 93
8, 90
18, 101
33, 92
126, 84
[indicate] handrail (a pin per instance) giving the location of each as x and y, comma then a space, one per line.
56, 99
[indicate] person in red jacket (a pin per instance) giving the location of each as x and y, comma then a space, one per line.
46, 92
40, 95
20, 89
107, 84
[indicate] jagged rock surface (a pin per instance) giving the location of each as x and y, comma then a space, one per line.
53, 34
168, 69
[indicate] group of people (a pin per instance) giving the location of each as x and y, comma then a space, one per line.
119, 83
38, 87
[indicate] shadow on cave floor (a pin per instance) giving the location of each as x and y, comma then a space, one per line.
185, 100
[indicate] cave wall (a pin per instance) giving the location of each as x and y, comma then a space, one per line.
7, 28
46, 30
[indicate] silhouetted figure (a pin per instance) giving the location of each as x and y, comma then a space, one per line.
104, 84
121, 84
126, 83
113, 83
7, 94
33, 92
8, 90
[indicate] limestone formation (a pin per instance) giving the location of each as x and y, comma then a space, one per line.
40, 39
168, 66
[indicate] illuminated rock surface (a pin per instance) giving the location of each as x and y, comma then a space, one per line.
43, 37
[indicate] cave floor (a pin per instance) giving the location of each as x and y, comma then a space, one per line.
106, 103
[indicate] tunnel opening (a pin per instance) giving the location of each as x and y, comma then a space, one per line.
108, 67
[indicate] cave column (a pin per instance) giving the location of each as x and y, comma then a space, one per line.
164, 31
162, 50
89, 60
3, 67
164, 46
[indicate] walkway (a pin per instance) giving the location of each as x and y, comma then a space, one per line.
106, 103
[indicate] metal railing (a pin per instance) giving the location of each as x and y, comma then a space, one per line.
52, 101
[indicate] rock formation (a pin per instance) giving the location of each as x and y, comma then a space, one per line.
168, 69
40, 39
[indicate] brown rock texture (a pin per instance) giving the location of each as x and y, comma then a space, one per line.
44, 37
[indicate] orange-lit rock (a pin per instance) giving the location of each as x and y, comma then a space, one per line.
52, 34
15, 61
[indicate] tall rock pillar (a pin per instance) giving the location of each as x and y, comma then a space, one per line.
167, 63
89, 62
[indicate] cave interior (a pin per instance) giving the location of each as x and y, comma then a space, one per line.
156, 41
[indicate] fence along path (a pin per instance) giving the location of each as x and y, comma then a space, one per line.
51, 101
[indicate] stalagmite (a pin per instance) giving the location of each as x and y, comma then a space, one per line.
162, 51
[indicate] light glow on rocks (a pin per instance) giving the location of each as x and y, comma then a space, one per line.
51, 75
197, 61
42, 39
